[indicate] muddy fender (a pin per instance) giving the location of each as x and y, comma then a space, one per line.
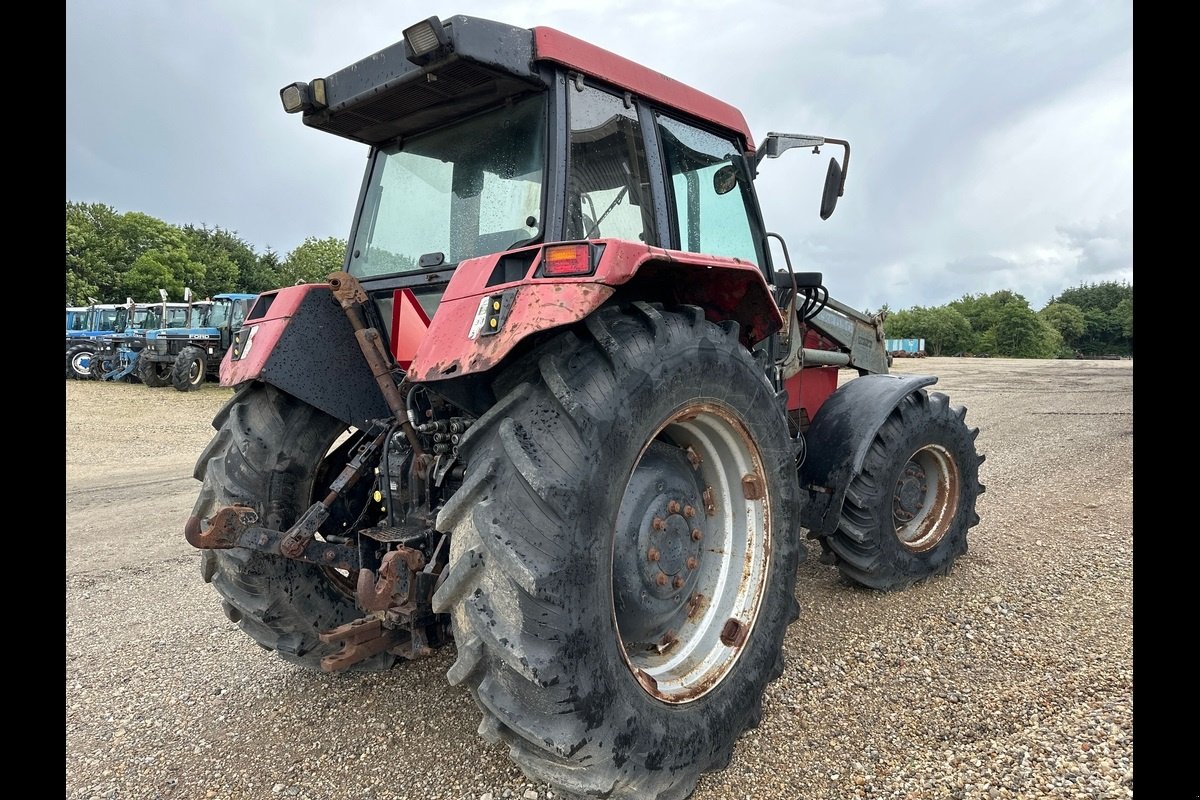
837, 441
299, 340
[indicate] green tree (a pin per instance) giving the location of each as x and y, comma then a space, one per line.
1104, 296
1068, 321
313, 260
1021, 333
1124, 315
149, 274
226, 258
263, 275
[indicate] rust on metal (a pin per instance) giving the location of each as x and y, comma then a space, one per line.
694, 604
661, 579
689, 512
692, 563
678, 582
353, 298
653, 555
673, 507
734, 632
752, 486
693, 457
710, 503
376, 595
224, 527
697, 534
360, 640
668, 640
659, 524
646, 680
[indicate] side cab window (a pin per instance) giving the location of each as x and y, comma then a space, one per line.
608, 186
709, 190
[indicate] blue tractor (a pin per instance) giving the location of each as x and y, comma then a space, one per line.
118, 354
186, 357
99, 319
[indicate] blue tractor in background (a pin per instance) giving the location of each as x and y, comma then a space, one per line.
186, 357
118, 354
98, 319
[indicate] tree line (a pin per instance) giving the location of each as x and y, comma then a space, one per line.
112, 256
1088, 320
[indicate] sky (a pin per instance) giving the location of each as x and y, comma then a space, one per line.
991, 143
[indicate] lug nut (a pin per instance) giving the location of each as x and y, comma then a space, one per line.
697, 534
661, 580
691, 562
677, 583
653, 555
659, 524
673, 507
689, 512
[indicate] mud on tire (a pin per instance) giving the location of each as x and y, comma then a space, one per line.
555, 598
907, 512
266, 454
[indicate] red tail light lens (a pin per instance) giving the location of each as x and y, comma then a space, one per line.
565, 261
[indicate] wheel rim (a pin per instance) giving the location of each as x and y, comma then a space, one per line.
690, 553
195, 372
82, 363
925, 500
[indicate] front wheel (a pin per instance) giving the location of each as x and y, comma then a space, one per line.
908, 510
154, 374
190, 369
624, 554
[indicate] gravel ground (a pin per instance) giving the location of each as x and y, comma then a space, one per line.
1010, 677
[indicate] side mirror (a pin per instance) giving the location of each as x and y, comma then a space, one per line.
833, 188
725, 179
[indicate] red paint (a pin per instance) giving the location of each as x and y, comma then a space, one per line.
409, 323
447, 351
268, 329
811, 387
553, 45
728, 288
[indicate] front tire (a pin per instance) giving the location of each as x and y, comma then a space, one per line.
908, 510
155, 374
273, 453
190, 369
624, 554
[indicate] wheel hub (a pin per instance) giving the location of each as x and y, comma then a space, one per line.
925, 499
656, 559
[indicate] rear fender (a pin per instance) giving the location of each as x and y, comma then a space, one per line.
300, 340
480, 320
837, 441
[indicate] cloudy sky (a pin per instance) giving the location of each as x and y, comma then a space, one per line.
991, 141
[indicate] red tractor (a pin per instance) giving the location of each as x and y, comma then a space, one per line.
562, 412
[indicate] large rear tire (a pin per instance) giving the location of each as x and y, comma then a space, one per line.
190, 369
79, 362
908, 510
624, 554
273, 453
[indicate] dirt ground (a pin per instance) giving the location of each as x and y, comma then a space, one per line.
1009, 677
